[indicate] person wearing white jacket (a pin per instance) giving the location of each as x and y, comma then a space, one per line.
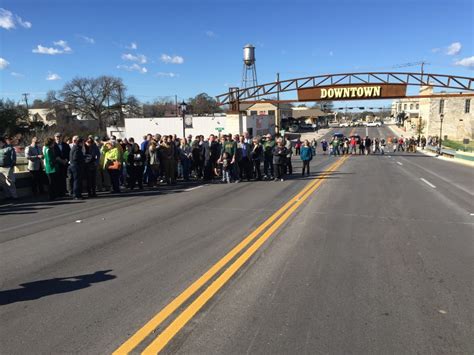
34, 156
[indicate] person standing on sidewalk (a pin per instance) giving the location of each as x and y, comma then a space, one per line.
257, 156
288, 165
306, 156
34, 155
268, 146
92, 158
61, 153
7, 165
51, 168
76, 167
245, 165
279, 159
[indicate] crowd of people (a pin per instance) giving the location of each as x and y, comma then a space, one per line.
340, 145
75, 166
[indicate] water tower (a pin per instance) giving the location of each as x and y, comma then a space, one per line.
249, 73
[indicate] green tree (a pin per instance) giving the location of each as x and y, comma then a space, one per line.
11, 116
203, 104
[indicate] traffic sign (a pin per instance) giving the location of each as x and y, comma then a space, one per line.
219, 129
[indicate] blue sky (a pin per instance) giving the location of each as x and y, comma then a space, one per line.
188, 47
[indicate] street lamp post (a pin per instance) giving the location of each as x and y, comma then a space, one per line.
419, 131
183, 107
441, 117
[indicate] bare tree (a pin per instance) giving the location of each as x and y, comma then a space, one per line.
102, 99
159, 108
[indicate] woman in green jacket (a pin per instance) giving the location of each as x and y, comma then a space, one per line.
113, 164
50, 168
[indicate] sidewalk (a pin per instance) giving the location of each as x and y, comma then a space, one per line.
400, 132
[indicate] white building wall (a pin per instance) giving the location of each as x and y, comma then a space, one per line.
202, 125
138, 127
259, 125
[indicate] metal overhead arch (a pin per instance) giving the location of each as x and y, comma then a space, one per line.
236, 95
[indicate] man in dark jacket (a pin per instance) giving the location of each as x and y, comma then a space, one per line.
61, 152
211, 153
76, 167
245, 164
279, 159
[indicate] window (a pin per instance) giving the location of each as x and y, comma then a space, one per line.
271, 112
399, 107
417, 106
441, 106
253, 113
404, 106
411, 106
467, 106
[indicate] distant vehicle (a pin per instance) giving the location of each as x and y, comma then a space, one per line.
374, 124
338, 135
344, 124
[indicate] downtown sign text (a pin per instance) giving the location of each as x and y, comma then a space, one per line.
352, 92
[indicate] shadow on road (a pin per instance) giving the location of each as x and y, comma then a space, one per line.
38, 289
30, 207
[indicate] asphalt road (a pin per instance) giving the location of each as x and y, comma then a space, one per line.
378, 259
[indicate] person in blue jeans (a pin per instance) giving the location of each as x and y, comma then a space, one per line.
306, 155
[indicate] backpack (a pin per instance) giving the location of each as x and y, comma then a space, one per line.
6, 157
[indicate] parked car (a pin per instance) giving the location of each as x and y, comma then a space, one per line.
374, 124
344, 124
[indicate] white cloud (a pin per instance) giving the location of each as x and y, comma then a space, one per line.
466, 62
17, 75
9, 21
210, 34
165, 58
3, 63
46, 50
133, 67
53, 76
24, 24
331, 53
168, 75
436, 50
454, 48
61, 47
140, 58
6, 19
132, 45
87, 39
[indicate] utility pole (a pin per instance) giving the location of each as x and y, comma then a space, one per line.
278, 120
176, 104
422, 69
25, 95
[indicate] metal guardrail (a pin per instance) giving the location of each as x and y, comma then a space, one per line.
450, 153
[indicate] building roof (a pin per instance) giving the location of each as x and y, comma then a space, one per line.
311, 112
283, 106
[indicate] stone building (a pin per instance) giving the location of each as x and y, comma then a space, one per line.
458, 116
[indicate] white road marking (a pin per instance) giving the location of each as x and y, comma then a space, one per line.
472, 214
194, 188
389, 156
428, 183
399, 163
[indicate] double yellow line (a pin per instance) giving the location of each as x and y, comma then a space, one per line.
274, 222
